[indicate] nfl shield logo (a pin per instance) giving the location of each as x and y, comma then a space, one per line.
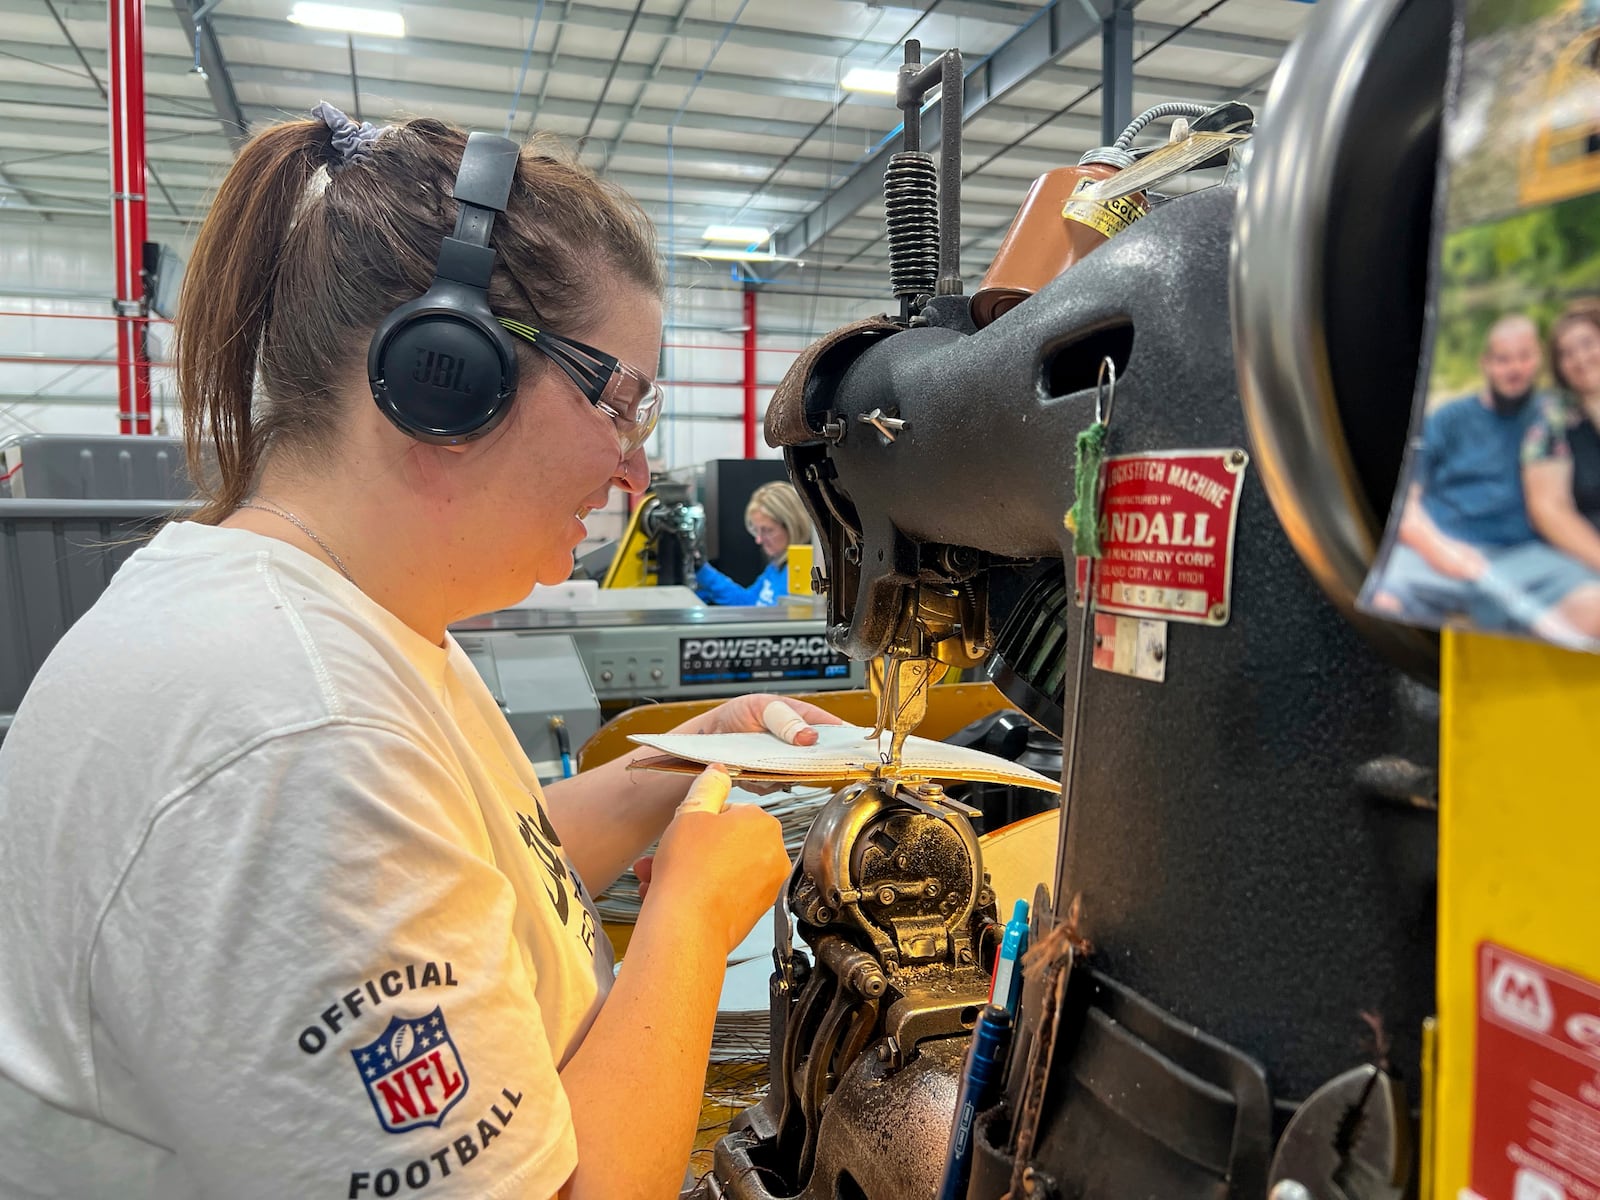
412, 1072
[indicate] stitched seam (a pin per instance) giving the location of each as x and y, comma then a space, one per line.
319, 666
166, 804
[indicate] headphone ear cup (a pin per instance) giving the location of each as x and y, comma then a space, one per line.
442, 369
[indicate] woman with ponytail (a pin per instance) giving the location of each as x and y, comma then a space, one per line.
289, 911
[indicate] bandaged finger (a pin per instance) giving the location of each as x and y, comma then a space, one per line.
709, 792
783, 722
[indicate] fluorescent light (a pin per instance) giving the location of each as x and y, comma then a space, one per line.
745, 235
344, 19
722, 255
865, 79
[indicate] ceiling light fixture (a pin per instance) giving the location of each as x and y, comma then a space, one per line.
718, 254
873, 82
745, 235
341, 18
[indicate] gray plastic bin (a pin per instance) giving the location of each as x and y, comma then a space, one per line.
56, 557
110, 466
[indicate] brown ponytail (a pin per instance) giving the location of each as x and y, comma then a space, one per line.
289, 279
227, 302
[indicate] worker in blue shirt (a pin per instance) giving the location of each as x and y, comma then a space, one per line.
775, 518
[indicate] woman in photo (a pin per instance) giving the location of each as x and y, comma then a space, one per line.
1561, 453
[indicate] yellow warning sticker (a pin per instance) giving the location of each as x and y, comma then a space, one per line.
1109, 217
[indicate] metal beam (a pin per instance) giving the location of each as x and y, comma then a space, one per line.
385, 49
1220, 41
747, 34
1054, 30
11, 185
218, 82
996, 12
860, 114
413, 96
750, 34
1080, 132
78, 98
792, 42
1116, 74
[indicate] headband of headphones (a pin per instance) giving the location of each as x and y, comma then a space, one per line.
442, 368
483, 186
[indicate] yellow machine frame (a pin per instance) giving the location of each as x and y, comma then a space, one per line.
631, 565
1519, 850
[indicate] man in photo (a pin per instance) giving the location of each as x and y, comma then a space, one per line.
1466, 552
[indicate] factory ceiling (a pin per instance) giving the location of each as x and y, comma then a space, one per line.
712, 112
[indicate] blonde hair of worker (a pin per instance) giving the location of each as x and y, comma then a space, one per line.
301, 919
779, 500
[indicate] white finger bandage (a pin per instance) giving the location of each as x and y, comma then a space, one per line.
708, 793
782, 721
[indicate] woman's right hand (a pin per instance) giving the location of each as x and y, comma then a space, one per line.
723, 864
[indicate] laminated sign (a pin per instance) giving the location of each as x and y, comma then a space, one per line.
1536, 1095
1166, 535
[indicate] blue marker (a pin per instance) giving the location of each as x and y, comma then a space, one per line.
1006, 990
980, 1079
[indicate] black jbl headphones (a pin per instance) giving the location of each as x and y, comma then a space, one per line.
442, 368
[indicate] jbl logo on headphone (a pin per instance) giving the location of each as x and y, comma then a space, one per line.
445, 371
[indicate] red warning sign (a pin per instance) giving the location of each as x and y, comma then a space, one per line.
1536, 1094
1166, 535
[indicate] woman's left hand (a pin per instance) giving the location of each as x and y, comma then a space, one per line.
748, 714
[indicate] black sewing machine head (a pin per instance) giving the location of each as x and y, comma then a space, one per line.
1248, 856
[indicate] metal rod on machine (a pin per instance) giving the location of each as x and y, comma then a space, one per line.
128, 214
749, 371
1104, 404
952, 90
909, 98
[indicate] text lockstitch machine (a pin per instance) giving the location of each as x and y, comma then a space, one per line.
1239, 943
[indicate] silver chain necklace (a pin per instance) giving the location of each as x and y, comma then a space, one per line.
267, 506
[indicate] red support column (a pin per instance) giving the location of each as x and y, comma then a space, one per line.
128, 219
749, 372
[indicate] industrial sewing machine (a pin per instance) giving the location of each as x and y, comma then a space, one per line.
1239, 964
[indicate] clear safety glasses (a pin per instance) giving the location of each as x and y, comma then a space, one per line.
625, 394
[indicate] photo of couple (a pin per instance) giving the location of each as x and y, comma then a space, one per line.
1500, 529
1496, 523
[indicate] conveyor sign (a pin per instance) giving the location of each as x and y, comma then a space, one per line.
1536, 1094
746, 659
1166, 535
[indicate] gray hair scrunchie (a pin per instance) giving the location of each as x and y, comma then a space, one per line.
352, 141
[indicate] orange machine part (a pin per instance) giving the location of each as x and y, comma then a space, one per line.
1041, 243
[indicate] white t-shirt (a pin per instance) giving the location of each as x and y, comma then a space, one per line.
284, 915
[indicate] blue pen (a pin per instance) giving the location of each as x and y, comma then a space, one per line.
980, 1079
1006, 990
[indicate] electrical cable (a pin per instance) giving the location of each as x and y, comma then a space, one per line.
101, 88
1172, 108
522, 75
1061, 112
1093, 88
355, 79
650, 74
616, 62
822, 242
672, 129
832, 116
